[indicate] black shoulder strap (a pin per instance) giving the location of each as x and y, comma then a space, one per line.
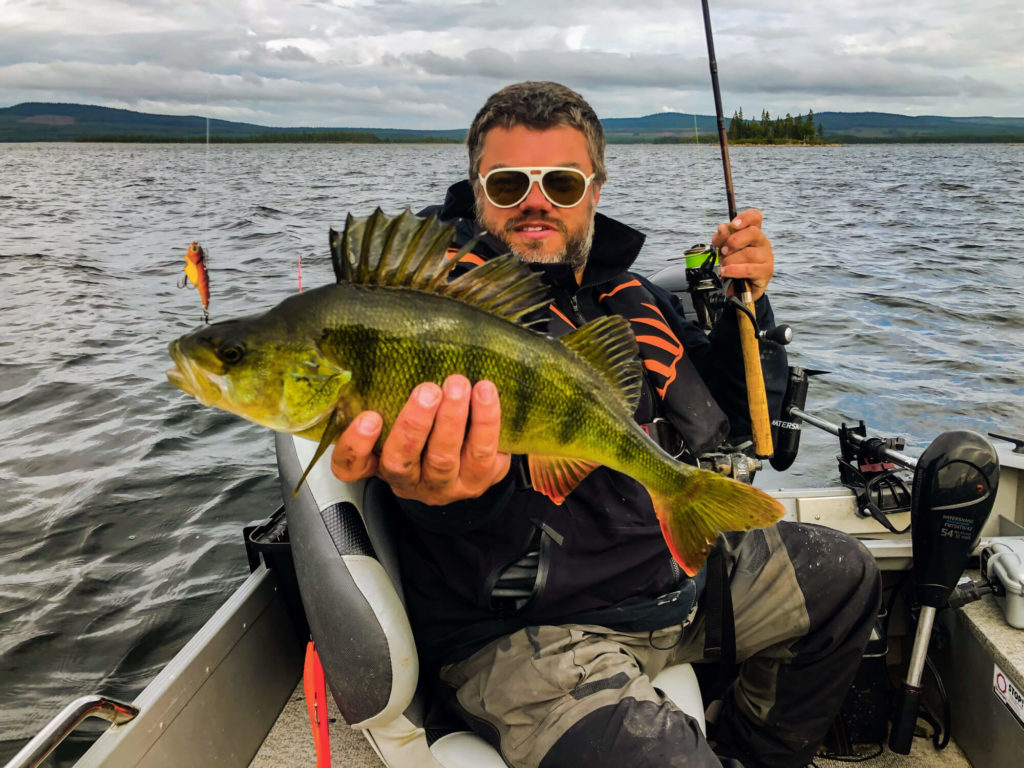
719, 626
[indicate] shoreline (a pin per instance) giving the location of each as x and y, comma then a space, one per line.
611, 141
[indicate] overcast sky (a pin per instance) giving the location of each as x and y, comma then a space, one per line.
431, 63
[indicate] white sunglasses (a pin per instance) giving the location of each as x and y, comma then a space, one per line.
563, 187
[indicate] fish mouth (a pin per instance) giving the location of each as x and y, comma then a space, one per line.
191, 378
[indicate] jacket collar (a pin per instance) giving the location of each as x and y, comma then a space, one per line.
616, 245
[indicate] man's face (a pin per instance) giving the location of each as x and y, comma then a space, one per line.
535, 229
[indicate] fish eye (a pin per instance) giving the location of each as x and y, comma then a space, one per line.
231, 352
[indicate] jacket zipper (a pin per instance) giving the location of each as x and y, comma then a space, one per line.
577, 314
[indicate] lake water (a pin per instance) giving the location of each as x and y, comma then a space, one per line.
123, 501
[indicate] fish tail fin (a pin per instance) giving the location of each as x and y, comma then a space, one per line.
704, 504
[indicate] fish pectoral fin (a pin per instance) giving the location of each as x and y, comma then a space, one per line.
315, 381
316, 377
557, 476
332, 431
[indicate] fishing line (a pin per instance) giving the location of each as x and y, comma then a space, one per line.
206, 178
206, 207
704, 213
206, 184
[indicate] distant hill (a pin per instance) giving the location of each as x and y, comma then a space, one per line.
37, 121
661, 124
885, 125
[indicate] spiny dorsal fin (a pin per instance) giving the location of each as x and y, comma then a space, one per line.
407, 251
609, 346
342, 266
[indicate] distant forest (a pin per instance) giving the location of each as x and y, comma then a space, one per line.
786, 129
44, 121
320, 137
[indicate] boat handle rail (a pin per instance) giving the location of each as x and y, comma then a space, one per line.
60, 727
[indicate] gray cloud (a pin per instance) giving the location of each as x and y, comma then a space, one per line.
430, 63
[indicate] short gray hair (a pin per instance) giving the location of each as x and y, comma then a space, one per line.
537, 105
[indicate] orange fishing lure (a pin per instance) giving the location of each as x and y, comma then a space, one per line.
195, 271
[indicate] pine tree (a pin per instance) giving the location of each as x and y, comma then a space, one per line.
808, 133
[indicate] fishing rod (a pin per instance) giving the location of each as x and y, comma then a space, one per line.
757, 399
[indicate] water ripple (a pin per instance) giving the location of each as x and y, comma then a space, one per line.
124, 500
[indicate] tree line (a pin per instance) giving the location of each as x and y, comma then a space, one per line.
305, 137
780, 129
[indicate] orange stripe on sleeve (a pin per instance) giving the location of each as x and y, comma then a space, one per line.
554, 309
654, 324
659, 368
469, 258
660, 343
616, 289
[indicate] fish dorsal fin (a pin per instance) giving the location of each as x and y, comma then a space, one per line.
407, 251
609, 346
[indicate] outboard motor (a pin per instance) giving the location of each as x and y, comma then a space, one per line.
955, 484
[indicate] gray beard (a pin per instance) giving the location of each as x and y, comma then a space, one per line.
574, 253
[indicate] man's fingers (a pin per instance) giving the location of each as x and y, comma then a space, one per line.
352, 458
403, 447
444, 448
482, 464
746, 271
742, 239
429, 455
748, 219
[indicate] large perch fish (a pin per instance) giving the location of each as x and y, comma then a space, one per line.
395, 319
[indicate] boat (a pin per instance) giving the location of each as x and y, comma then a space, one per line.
322, 565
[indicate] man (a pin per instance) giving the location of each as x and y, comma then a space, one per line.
545, 623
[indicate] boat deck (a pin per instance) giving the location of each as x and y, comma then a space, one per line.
290, 743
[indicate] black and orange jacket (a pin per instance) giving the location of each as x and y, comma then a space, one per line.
602, 558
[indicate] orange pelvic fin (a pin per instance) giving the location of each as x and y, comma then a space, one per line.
556, 476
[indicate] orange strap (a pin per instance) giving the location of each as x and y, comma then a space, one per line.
315, 687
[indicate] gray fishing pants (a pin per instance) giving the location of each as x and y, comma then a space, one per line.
804, 601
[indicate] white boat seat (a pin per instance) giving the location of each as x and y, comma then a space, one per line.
464, 749
350, 582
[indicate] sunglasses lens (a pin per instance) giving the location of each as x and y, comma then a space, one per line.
565, 188
507, 187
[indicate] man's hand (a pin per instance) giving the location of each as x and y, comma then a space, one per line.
745, 251
429, 455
